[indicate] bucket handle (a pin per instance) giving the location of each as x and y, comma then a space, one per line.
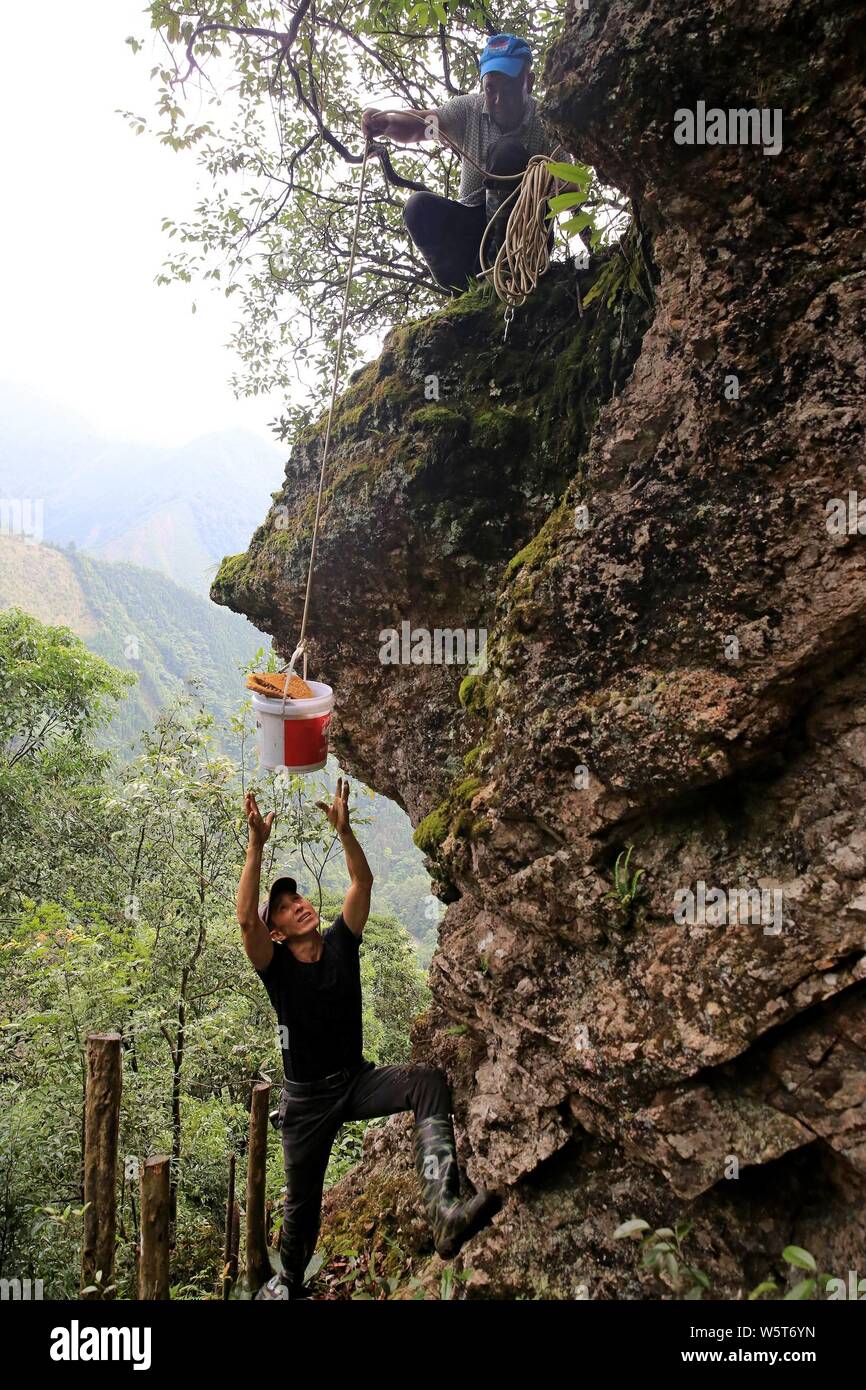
299, 649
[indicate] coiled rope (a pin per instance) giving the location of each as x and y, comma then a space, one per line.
524, 256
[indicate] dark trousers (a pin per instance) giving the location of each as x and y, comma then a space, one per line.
311, 1114
448, 233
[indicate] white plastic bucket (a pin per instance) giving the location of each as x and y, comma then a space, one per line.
294, 735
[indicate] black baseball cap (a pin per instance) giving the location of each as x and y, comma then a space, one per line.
279, 885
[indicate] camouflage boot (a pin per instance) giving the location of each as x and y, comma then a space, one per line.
289, 1283
453, 1220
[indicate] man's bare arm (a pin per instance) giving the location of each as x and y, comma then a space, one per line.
256, 939
356, 904
406, 127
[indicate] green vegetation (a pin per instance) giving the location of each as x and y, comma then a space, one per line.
662, 1253
475, 694
534, 553
627, 887
437, 417
162, 636
452, 817
431, 831
288, 250
117, 887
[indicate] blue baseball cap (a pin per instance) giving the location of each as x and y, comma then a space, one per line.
505, 53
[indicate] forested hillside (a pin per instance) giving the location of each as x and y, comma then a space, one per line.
141, 621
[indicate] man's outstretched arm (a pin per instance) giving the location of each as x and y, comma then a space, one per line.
406, 127
256, 939
356, 904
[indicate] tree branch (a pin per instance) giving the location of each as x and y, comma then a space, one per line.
285, 40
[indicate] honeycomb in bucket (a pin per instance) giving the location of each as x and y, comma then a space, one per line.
273, 685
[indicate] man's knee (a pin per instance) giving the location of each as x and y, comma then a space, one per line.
416, 212
432, 1091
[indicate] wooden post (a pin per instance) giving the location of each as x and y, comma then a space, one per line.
258, 1264
236, 1241
153, 1277
229, 1273
101, 1126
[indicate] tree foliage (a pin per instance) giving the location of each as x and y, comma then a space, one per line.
269, 97
55, 696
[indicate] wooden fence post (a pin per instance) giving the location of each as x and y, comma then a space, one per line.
236, 1240
101, 1127
230, 1268
153, 1270
258, 1264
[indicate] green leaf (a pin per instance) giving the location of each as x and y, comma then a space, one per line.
801, 1291
630, 1228
565, 200
573, 173
577, 224
796, 1255
768, 1286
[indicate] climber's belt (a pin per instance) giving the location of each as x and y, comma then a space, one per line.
322, 1086
322, 1083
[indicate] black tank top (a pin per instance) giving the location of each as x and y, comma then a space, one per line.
318, 1005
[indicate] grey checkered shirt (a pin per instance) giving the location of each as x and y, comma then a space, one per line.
467, 121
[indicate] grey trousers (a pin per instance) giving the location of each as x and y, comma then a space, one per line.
310, 1115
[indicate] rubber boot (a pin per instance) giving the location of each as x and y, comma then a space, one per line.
452, 1219
289, 1285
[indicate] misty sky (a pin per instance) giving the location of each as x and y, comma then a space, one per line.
83, 321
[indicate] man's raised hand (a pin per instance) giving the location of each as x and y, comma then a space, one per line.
374, 123
259, 825
338, 811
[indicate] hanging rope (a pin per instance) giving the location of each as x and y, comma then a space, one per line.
302, 640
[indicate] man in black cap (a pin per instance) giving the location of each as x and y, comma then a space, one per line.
314, 983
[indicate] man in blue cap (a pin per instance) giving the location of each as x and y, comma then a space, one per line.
500, 129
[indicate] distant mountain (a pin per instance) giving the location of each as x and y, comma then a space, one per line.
139, 621
176, 510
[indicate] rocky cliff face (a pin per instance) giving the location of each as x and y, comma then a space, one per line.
634, 505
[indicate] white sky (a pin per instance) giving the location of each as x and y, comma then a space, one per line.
80, 240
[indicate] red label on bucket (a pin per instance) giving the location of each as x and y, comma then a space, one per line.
305, 741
